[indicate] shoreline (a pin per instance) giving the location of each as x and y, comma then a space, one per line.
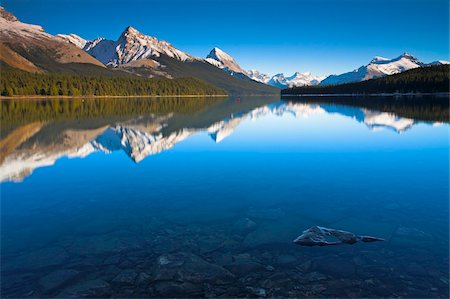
439, 94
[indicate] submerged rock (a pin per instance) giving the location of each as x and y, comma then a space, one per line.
190, 268
260, 292
127, 277
186, 275
88, 289
321, 236
57, 279
243, 263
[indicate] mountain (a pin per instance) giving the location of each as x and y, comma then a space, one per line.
29, 48
378, 67
222, 60
425, 79
131, 46
144, 55
257, 76
297, 79
438, 62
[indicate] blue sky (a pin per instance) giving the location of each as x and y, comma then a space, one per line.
320, 36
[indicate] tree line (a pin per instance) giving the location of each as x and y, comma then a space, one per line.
431, 79
15, 82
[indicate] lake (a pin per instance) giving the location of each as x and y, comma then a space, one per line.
204, 197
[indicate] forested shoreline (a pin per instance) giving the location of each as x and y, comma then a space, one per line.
19, 83
430, 79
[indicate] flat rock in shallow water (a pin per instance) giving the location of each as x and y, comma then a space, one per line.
190, 268
243, 264
57, 279
321, 236
127, 277
88, 289
260, 292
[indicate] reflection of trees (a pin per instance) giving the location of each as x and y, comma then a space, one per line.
418, 108
18, 112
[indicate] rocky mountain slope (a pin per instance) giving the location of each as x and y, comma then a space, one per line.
29, 48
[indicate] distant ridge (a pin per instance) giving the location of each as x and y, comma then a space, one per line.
379, 67
427, 79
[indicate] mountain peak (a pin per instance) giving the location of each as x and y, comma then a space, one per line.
7, 15
224, 61
218, 54
130, 30
409, 57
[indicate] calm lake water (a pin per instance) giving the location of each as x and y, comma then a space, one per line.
204, 197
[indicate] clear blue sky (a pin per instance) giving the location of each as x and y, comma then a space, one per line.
321, 36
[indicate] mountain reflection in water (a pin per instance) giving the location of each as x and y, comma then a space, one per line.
139, 135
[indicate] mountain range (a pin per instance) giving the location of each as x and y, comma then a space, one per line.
29, 48
379, 67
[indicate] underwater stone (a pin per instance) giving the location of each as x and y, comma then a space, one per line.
260, 292
317, 236
57, 279
92, 289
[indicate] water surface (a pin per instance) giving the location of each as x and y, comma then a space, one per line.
203, 197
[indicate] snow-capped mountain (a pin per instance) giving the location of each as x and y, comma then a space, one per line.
378, 67
222, 60
438, 62
131, 46
257, 76
297, 79
147, 56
